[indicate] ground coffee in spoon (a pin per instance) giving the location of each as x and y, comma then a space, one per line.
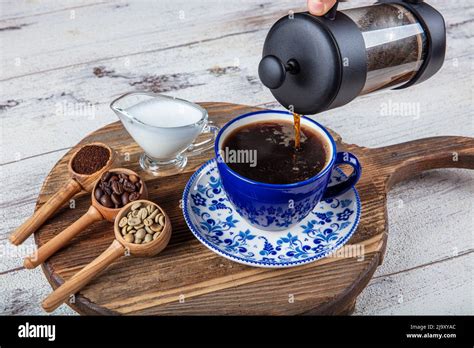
90, 159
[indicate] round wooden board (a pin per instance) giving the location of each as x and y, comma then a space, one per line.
189, 279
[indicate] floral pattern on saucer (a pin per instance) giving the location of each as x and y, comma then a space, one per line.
214, 221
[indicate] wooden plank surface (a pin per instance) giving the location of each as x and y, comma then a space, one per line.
60, 73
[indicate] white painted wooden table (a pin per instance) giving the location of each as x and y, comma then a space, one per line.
62, 62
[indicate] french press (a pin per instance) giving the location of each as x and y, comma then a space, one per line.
312, 64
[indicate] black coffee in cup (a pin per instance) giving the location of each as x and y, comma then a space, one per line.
265, 152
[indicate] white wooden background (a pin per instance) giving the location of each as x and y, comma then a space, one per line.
62, 62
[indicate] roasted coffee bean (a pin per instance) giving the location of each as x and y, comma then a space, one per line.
106, 176
107, 189
125, 198
98, 193
133, 196
106, 201
116, 199
128, 186
133, 178
117, 187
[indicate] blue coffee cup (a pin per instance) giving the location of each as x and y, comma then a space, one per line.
277, 207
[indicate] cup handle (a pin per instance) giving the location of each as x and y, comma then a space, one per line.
198, 148
348, 183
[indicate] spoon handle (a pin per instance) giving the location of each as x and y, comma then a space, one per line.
63, 238
83, 277
45, 211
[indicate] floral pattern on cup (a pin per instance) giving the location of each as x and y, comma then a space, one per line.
215, 222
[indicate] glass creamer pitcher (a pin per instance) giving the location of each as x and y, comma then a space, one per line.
166, 128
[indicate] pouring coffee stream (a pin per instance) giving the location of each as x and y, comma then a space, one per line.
297, 125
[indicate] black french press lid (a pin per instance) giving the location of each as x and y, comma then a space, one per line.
314, 63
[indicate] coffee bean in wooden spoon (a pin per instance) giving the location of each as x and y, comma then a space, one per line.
97, 211
84, 167
118, 248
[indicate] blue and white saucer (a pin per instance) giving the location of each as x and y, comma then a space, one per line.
214, 221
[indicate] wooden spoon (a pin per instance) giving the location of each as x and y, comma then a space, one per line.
118, 248
95, 213
76, 183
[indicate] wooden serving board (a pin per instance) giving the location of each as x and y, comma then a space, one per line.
189, 279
